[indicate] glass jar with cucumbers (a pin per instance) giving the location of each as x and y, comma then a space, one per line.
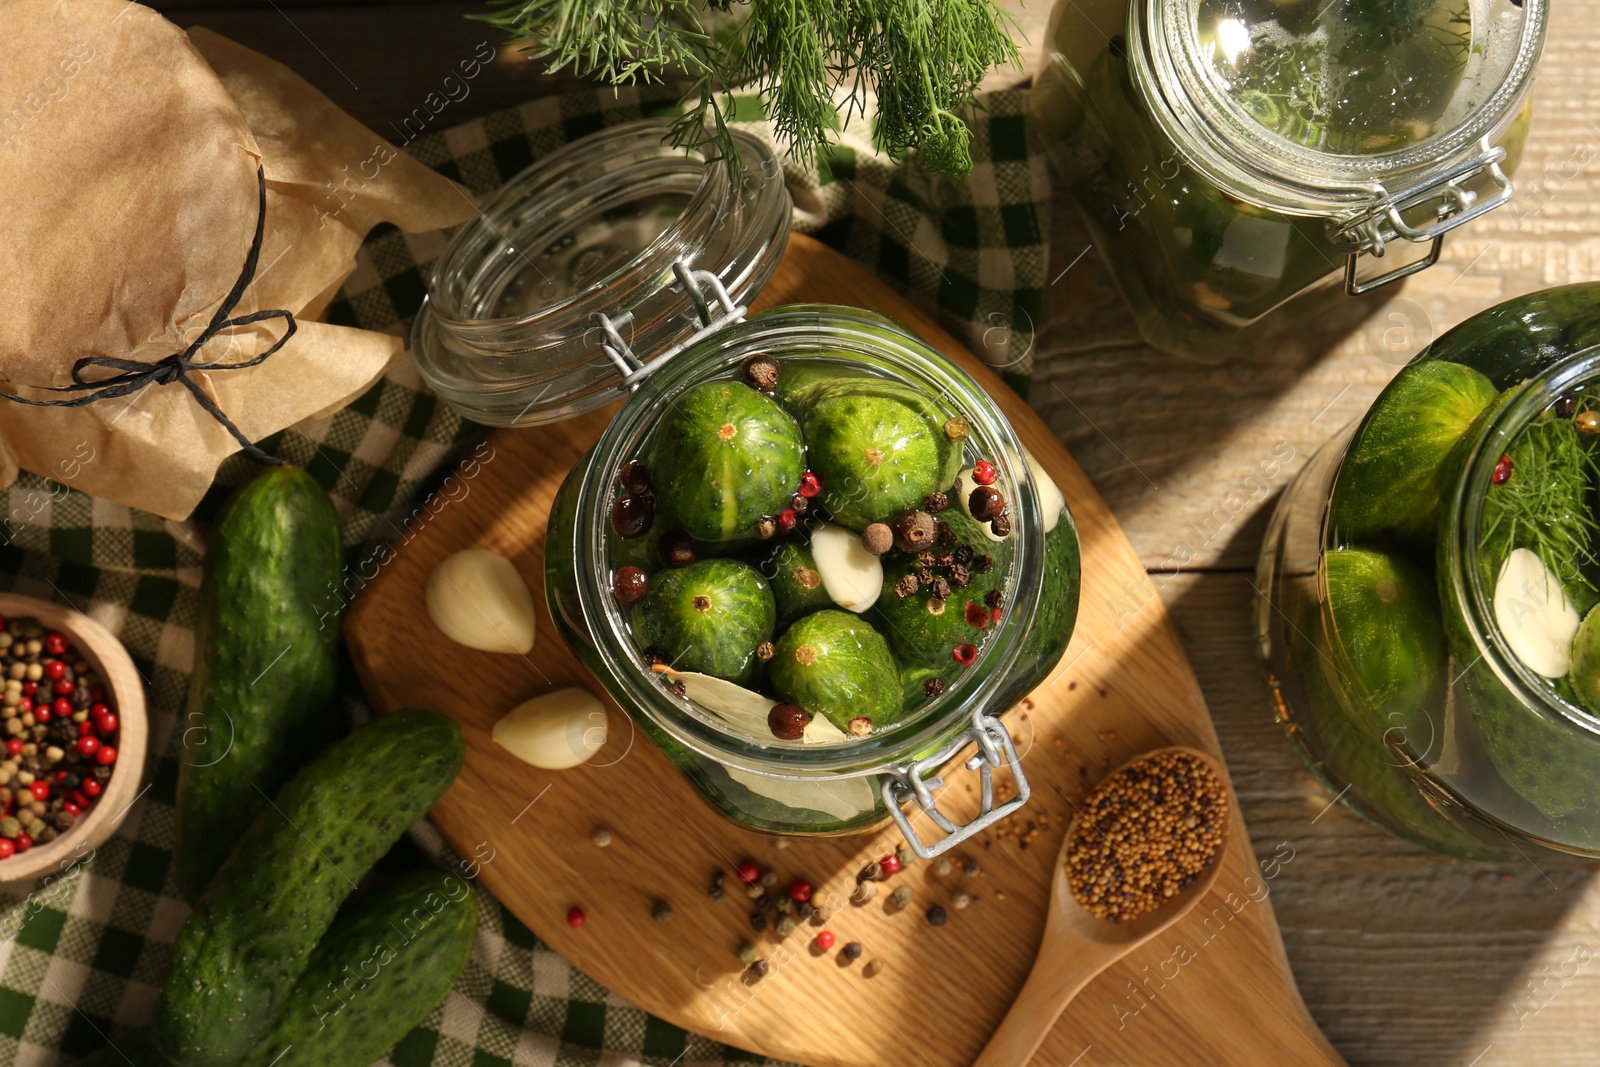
808, 555
1430, 591
1240, 163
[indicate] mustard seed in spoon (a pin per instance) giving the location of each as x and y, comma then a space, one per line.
1145, 834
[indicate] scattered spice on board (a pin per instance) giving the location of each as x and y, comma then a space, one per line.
1145, 834
661, 911
902, 897
937, 916
601, 836
851, 950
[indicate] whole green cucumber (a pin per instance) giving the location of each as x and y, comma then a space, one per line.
261, 698
385, 964
255, 927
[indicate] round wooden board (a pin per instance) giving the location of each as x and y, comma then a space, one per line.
1215, 990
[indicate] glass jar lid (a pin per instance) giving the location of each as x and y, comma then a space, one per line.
1338, 107
510, 332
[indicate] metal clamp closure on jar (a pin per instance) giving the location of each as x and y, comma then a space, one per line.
1454, 202
914, 781
695, 283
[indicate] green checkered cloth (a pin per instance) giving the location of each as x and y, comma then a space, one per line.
83, 954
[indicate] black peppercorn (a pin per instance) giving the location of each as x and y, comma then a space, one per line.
1001, 524
787, 722
982, 564
933, 686
851, 950
947, 536
631, 515
937, 916
906, 586
758, 921
913, 531
985, 503
634, 477
935, 503
675, 549
760, 371
993, 598
760, 968
1566, 406
629, 584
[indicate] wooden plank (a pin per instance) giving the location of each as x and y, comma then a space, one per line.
1123, 689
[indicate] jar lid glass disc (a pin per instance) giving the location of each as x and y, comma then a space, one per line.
510, 333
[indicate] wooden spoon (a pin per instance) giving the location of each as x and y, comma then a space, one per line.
1078, 946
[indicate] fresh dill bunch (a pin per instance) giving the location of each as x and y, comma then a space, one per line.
921, 59
1544, 506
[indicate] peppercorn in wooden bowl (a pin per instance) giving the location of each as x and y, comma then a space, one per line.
76, 750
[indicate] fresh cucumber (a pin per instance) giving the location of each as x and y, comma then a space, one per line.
255, 927
261, 698
834, 663
385, 964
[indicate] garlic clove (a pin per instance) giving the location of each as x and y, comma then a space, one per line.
1534, 614
477, 598
554, 731
1051, 500
852, 576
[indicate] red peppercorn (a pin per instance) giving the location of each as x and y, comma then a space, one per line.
14, 746
40, 789
24, 842
8, 848
800, 890
1502, 471
89, 745
890, 864
85, 728
97, 708
55, 669
29, 688
825, 940
79, 799
106, 722
61, 776
977, 615
964, 654
983, 472
41, 714
55, 644
65, 687
24, 706
91, 787
810, 485
70, 808
106, 756
62, 707
748, 872
97, 694
786, 520
576, 917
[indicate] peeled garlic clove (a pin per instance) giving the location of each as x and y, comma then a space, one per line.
554, 731
1050, 499
852, 576
478, 599
1534, 615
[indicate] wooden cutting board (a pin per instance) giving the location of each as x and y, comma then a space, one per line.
1215, 990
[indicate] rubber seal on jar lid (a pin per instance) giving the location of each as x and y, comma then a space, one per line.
509, 333
1325, 106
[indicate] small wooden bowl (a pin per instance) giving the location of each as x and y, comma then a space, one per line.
125, 689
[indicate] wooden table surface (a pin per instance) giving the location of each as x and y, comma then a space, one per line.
1405, 958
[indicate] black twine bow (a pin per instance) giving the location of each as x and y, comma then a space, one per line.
134, 375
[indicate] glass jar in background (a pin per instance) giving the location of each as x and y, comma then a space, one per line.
616, 270
1428, 588
1235, 159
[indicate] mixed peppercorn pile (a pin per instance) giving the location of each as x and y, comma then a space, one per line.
60, 736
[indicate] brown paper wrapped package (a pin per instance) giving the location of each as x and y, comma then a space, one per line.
128, 160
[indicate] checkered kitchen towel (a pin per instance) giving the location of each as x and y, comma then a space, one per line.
82, 957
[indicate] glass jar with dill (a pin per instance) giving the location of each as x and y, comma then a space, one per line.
1430, 591
1233, 158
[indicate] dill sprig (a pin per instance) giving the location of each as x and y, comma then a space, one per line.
1544, 505
921, 59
